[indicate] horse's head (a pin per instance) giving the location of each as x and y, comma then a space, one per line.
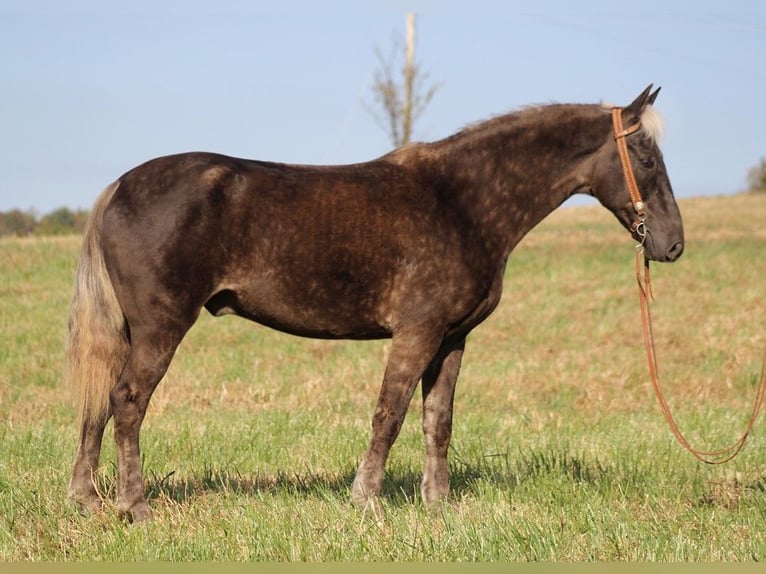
651, 214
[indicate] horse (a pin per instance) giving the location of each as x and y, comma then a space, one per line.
410, 246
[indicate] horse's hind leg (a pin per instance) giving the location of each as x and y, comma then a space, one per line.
150, 355
82, 487
438, 396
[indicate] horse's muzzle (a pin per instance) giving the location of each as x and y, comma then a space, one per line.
655, 252
674, 251
661, 250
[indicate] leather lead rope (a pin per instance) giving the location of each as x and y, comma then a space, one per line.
645, 295
709, 457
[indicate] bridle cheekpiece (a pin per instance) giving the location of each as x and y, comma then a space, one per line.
638, 226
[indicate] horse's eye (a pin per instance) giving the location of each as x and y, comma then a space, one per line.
647, 162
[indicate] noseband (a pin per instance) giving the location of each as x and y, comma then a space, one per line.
620, 135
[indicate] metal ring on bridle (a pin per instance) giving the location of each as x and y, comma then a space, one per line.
640, 230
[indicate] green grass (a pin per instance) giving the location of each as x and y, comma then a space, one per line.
559, 449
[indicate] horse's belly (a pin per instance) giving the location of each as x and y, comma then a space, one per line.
332, 309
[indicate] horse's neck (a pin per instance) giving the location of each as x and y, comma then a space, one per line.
505, 195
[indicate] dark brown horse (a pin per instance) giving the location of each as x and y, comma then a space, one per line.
411, 246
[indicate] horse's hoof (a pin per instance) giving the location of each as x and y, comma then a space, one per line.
368, 503
432, 495
438, 505
372, 507
86, 504
139, 512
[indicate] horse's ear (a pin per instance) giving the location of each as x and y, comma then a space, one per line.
632, 113
653, 96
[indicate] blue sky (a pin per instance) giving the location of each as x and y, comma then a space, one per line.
92, 88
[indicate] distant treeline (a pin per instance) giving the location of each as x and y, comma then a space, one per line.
62, 221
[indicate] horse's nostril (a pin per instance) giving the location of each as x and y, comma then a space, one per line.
675, 251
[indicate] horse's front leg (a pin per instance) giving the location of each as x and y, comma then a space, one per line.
411, 352
438, 396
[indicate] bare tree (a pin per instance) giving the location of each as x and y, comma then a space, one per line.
402, 103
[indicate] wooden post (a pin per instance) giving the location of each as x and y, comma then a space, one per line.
409, 78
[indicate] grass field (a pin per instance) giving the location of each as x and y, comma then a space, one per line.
559, 449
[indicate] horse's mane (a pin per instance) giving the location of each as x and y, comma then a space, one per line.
652, 123
652, 126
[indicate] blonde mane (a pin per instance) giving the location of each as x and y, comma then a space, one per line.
652, 123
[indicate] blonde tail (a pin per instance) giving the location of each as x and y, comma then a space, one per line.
98, 341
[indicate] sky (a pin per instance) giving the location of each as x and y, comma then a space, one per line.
91, 88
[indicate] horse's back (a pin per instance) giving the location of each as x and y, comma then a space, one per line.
213, 182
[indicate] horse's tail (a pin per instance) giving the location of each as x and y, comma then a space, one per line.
98, 339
